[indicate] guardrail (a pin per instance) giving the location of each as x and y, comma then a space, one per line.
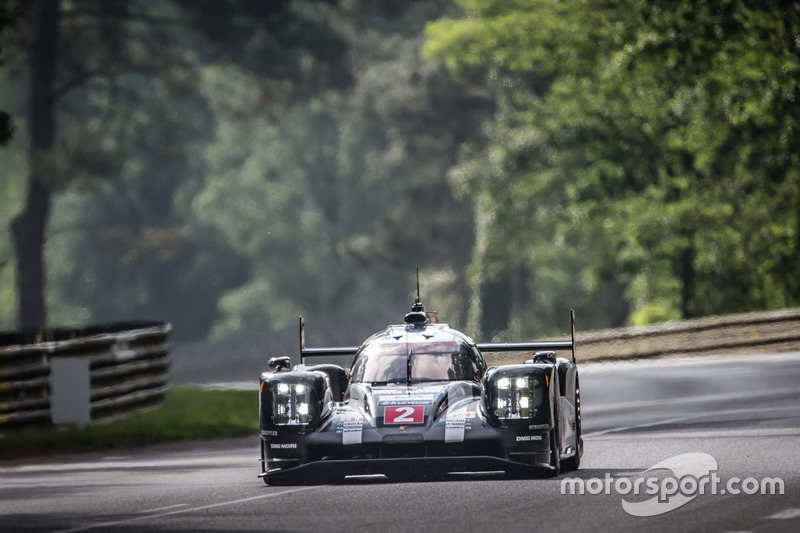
747, 333
125, 367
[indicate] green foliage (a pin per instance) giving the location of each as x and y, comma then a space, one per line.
643, 147
295, 203
654, 313
132, 129
124, 240
338, 192
228, 165
189, 413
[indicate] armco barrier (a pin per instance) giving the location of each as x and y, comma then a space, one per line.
128, 369
748, 333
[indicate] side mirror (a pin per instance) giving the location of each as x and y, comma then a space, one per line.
544, 357
279, 364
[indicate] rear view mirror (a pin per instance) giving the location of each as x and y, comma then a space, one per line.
278, 364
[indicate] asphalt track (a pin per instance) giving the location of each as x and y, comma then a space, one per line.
742, 413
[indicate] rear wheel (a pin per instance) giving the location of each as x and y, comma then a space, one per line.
555, 452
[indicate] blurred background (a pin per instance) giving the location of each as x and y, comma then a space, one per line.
228, 165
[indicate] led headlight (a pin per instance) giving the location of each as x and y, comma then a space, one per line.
291, 404
514, 398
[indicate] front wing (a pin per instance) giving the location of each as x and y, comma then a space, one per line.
455, 444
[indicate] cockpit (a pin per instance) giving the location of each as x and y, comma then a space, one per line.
385, 363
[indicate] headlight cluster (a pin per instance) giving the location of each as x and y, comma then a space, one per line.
296, 400
516, 394
291, 404
514, 397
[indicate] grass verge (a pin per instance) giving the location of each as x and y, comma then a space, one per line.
189, 413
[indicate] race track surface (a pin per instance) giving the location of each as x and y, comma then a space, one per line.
737, 417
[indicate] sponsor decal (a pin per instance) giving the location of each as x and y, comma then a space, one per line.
283, 445
455, 424
351, 426
406, 399
404, 414
528, 438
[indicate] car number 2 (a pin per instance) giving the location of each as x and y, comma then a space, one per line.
404, 414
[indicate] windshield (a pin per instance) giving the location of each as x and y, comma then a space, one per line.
421, 362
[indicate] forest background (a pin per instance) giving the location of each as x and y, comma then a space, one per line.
228, 165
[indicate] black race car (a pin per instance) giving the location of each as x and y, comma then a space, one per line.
419, 399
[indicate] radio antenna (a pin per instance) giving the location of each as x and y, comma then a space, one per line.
418, 285
417, 317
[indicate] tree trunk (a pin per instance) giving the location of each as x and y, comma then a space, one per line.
28, 228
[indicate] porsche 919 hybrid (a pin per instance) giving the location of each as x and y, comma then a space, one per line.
419, 398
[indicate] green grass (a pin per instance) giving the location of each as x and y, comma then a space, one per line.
189, 413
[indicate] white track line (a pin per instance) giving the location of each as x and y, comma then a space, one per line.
787, 514
148, 511
180, 511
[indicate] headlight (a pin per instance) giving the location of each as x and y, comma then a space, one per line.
296, 401
516, 394
514, 398
291, 405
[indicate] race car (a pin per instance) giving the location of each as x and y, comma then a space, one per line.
419, 399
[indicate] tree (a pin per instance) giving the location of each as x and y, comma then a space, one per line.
526, 273
664, 133
28, 227
697, 98
421, 116
85, 62
123, 89
341, 193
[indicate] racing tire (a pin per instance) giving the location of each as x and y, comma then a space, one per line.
573, 463
555, 452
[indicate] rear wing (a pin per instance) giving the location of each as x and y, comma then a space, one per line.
482, 346
320, 352
533, 346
